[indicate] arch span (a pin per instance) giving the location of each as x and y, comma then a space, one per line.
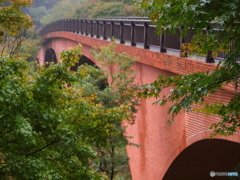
202, 157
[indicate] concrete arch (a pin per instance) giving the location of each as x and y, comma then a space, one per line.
204, 156
50, 56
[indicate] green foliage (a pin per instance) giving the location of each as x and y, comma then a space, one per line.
12, 20
49, 129
119, 74
120, 92
62, 9
197, 14
39, 9
26, 44
51, 126
190, 89
37, 13
103, 9
43, 15
30, 45
12, 25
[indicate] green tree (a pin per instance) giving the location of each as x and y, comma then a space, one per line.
12, 20
49, 129
118, 90
30, 45
16, 37
189, 89
12, 25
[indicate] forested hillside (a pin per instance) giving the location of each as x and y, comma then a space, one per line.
46, 11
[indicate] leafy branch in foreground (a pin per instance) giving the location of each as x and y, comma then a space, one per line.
216, 28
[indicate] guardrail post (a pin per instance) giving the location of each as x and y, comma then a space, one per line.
104, 30
112, 31
121, 33
91, 28
53, 27
57, 26
132, 34
66, 25
77, 23
97, 30
72, 26
81, 26
69, 25
60, 25
146, 46
162, 49
86, 32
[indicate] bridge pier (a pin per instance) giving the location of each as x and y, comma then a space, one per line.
157, 140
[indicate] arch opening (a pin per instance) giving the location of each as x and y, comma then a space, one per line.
50, 56
84, 60
202, 157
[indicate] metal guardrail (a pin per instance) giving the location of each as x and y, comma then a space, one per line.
132, 30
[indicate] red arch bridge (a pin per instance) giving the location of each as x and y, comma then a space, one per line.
180, 151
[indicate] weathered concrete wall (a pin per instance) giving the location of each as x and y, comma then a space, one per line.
160, 143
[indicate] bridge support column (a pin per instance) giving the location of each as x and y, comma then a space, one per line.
41, 55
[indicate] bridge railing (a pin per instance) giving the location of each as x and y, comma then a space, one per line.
134, 31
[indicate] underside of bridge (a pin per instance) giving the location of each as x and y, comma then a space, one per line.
50, 56
83, 60
202, 157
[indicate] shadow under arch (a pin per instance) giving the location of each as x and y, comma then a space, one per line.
50, 56
202, 157
85, 60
